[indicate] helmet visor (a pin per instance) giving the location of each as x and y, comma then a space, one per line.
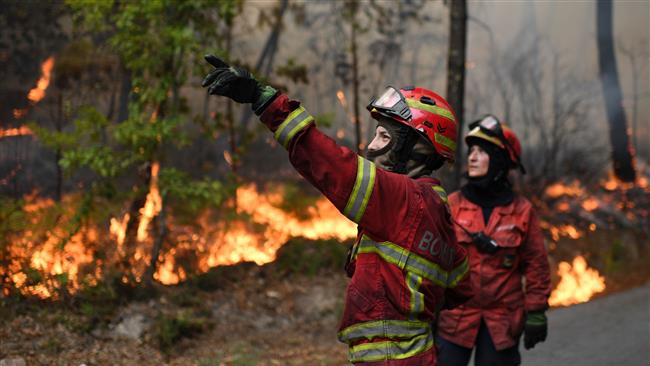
490, 125
391, 103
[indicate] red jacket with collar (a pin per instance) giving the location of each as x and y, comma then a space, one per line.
500, 297
406, 264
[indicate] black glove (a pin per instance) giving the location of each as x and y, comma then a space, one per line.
484, 243
536, 329
237, 84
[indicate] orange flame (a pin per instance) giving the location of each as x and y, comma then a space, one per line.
590, 204
613, 183
256, 238
577, 284
20, 113
238, 241
559, 189
50, 257
38, 93
563, 206
642, 182
561, 230
341, 96
152, 206
118, 228
19, 131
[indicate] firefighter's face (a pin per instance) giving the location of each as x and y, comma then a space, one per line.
381, 139
478, 161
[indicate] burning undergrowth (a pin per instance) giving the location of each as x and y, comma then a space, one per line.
59, 248
54, 249
597, 236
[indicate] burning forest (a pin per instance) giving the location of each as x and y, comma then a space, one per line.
144, 216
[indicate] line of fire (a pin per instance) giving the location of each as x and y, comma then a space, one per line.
136, 208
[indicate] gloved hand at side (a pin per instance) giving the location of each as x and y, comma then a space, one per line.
237, 84
536, 329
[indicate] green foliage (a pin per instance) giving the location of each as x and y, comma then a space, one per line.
296, 200
158, 42
194, 194
310, 257
210, 362
221, 276
170, 328
615, 257
293, 71
34, 276
244, 355
325, 120
52, 345
12, 218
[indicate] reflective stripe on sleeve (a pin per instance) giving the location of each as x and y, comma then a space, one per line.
458, 273
393, 329
402, 258
390, 350
363, 185
295, 122
441, 192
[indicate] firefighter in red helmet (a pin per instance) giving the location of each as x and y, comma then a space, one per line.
502, 235
406, 264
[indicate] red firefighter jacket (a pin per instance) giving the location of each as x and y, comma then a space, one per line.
406, 264
499, 296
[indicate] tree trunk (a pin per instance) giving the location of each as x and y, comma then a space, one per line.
161, 233
58, 153
618, 134
456, 72
355, 78
125, 96
264, 64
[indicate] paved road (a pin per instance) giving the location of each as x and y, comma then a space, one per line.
613, 330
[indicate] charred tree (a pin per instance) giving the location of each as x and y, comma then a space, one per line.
622, 157
456, 70
141, 189
160, 225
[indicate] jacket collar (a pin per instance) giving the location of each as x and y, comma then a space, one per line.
502, 210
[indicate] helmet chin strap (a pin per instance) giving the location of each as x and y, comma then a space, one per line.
406, 153
406, 139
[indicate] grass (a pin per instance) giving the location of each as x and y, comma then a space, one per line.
171, 328
302, 256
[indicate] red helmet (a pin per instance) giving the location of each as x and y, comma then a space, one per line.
423, 110
490, 129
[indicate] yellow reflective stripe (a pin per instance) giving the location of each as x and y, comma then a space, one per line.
478, 133
458, 273
395, 329
404, 259
441, 192
445, 141
413, 103
413, 283
295, 122
363, 185
390, 350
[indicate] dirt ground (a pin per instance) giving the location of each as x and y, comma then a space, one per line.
287, 322
264, 316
